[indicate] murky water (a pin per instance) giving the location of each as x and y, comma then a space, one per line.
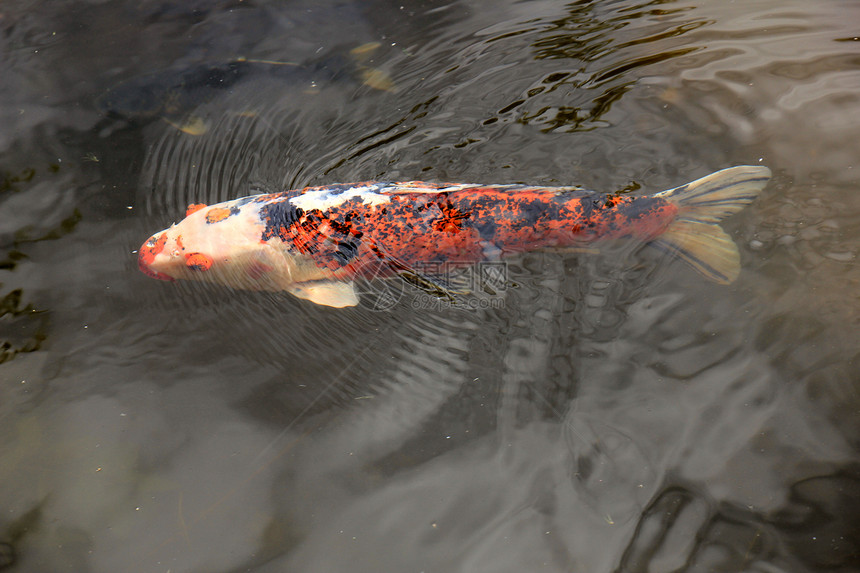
608, 412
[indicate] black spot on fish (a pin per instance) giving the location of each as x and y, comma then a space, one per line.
486, 228
346, 251
278, 216
642, 207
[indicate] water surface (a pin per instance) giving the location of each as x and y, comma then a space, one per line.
607, 412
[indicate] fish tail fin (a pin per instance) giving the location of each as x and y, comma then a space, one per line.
695, 236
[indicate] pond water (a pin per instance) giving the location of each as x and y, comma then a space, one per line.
609, 411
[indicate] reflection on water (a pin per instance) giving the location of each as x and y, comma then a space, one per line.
608, 412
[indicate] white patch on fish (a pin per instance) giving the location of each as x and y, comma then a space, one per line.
422, 187
323, 199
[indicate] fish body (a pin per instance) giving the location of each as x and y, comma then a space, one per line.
313, 242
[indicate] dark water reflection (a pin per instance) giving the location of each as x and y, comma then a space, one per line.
612, 413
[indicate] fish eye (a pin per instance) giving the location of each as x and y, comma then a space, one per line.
198, 262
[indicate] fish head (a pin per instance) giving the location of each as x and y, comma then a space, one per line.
219, 244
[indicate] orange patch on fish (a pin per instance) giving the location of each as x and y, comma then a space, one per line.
151, 248
198, 262
218, 214
147, 254
194, 207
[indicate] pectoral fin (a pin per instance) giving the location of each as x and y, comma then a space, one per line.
326, 293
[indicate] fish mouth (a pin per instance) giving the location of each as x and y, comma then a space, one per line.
147, 254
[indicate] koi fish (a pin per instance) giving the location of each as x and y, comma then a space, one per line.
315, 241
